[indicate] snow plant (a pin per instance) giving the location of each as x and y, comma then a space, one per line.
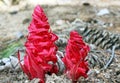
40, 54
74, 59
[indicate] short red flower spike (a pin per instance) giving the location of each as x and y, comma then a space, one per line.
74, 59
40, 57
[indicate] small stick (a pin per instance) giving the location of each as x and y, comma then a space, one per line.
60, 62
111, 58
16, 64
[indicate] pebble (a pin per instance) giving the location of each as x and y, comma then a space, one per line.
19, 35
117, 70
26, 20
86, 4
2, 68
9, 63
26, 81
13, 12
103, 12
5, 60
107, 75
14, 62
60, 22
111, 24
97, 71
118, 79
92, 46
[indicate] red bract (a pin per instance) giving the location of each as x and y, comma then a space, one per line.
40, 57
74, 59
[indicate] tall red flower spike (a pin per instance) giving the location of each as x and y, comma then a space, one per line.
40, 57
74, 59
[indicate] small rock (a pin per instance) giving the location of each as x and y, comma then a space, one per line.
13, 12
26, 20
107, 75
111, 24
97, 71
26, 81
118, 65
5, 60
92, 46
79, 22
8, 65
60, 22
2, 68
14, 62
100, 22
118, 79
103, 12
117, 70
110, 70
19, 35
86, 4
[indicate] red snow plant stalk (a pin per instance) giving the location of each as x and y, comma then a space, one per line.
40, 57
74, 59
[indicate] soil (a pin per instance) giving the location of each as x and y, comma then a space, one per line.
14, 22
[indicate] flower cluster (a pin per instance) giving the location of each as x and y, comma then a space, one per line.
74, 59
40, 57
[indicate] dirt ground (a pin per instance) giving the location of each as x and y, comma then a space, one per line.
13, 23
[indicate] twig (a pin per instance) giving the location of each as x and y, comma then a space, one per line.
60, 62
111, 58
14, 67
